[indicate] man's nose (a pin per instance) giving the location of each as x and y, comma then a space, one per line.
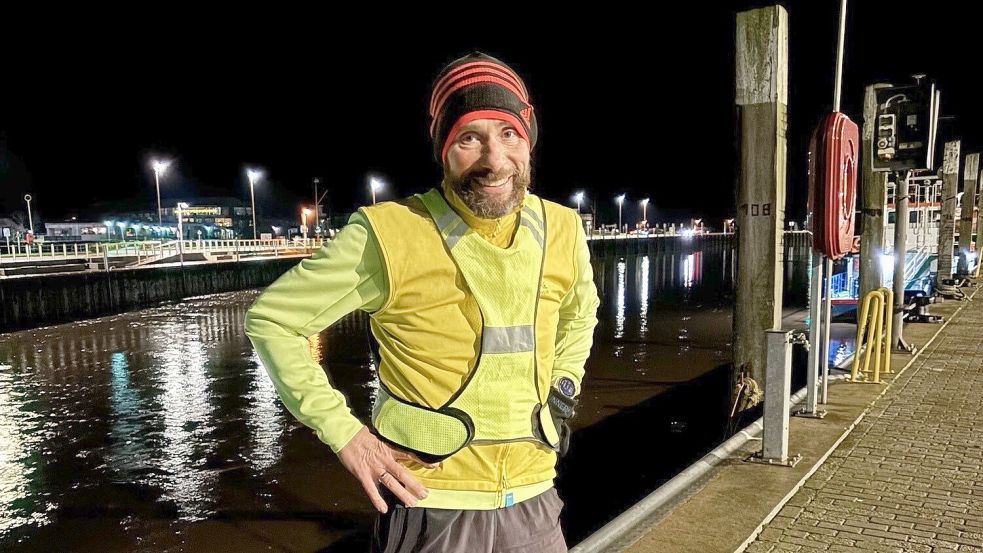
493, 156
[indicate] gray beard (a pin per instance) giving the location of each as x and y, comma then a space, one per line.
481, 204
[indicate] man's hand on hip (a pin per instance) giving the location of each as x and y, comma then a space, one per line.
374, 462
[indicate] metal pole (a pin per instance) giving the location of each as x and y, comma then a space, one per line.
252, 197
815, 351
837, 87
828, 296
900, 248
180, 238
827, 323
317, 210
778, 402
160, 218
30, 219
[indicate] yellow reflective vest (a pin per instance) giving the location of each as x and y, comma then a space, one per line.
435, 334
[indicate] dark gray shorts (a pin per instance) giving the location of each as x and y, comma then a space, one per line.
530, 526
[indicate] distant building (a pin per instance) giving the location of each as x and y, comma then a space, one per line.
215, 218
76, 231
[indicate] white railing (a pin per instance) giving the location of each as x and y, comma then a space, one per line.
623, 236
36, 251
140, 253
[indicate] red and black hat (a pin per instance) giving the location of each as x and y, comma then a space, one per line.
478, 86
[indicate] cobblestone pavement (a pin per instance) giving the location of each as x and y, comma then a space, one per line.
909, 478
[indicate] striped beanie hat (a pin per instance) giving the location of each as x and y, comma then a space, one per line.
478, 86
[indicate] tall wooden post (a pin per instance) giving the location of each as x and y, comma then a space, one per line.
762, 99
970, 186
947, 226
979, 224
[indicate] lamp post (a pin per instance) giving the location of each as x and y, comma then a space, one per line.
254, 175
30, 219
645, 219
159, 167
621, 200
375, 184
303, 225
180, 230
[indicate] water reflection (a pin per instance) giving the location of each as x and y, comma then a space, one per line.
19, 438
619, 317
128, 455
187, 418
685, 299
689, 271
265, 418
142, 411
643, 292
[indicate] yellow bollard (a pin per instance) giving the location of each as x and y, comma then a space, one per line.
862, 307
874, 336
862, 324
872, 340
888, 327
877, 328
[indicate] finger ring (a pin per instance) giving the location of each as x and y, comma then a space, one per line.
383, 475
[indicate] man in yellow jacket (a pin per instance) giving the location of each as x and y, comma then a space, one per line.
483, 304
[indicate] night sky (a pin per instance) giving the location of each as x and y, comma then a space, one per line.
633, 103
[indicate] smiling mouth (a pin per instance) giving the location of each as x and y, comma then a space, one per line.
495, 184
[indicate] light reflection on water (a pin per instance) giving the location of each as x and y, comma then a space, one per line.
619, 318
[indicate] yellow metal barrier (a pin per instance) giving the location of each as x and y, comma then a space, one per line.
874, 325
888, 327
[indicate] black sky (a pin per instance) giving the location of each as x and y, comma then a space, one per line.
629, 100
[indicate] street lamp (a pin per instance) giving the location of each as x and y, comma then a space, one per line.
621, 200
303, 225
645, 219
30, 220
254, 175
317, 203
375, 184
180, 230
159, 167
579, 197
